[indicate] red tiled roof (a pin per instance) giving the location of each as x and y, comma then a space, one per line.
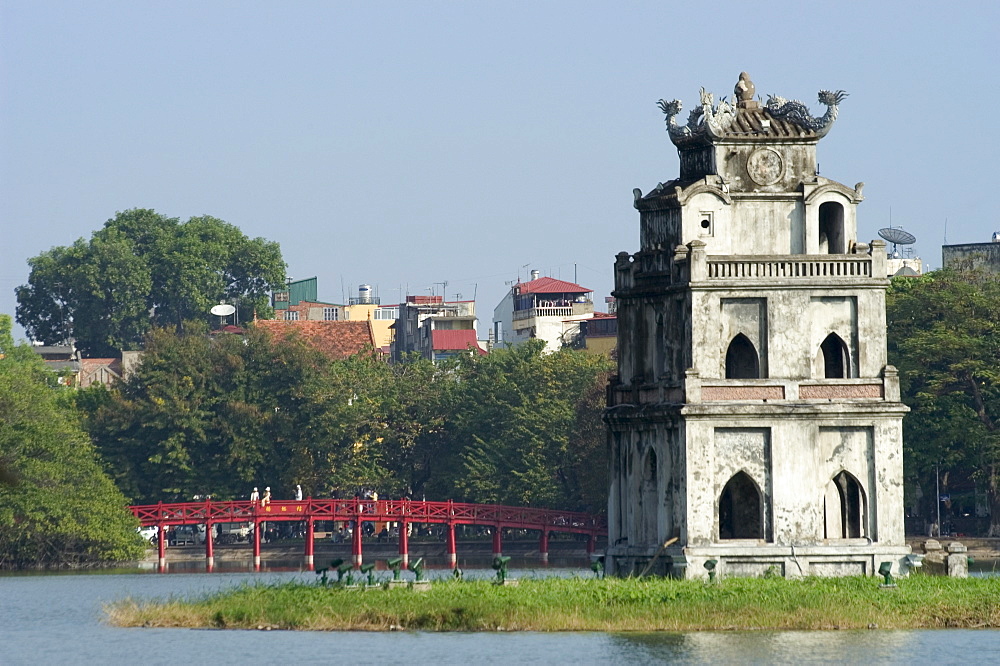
336, 339
547, 285
455, 340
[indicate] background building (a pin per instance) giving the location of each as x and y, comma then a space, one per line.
543, 308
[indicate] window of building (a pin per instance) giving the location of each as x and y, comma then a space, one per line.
831, 228
292, 315
741, 514
742, 361
844, 508
331, 314
836, 359
706, 223
387, 313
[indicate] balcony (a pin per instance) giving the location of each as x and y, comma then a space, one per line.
562, 311
788, 267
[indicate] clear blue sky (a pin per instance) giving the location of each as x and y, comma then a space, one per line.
407, 144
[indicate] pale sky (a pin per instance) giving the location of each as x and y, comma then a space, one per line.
408, 144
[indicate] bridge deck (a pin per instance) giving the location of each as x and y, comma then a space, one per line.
356, 511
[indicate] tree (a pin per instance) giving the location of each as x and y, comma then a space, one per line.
143, 270
57, 506
944, 336
527, 423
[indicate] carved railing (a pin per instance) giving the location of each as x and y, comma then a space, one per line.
811, 266
188, 513
543, 312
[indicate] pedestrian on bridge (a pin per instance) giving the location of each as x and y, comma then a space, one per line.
298, 493
266, 500
254, 497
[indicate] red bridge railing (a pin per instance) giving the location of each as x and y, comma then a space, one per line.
357, 511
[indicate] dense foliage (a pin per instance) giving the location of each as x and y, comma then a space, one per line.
204, 416
140, 270
944, 337
57, 507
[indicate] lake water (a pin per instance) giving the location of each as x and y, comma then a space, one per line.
57, 619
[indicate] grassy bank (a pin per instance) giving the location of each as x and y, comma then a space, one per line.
586, 605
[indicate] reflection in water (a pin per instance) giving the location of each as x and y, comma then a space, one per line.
53, 619
787, 647
432, 564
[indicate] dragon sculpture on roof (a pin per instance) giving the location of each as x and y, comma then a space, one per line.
713, 119
708, 118
796, 112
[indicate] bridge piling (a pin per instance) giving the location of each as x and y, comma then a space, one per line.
452, 549
310, 542
498, 540
356, 545
161, 547
543, 545
404, 543
209, 550
256, 543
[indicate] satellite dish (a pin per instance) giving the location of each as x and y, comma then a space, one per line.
897, 236
223, 310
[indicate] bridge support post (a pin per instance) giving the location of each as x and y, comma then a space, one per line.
404, 543
209, 547
452, 549
543, 545
161, 547
356, 544
591, 543
497, 540
310, 542
256, 544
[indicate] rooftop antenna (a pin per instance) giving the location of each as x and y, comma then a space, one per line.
897, 237
945, 231
222, 310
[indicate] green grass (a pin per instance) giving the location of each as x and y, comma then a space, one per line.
647, 604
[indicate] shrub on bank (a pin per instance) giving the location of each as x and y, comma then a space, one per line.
647, 604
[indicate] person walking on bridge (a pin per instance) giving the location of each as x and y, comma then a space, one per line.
254, 497
266, 500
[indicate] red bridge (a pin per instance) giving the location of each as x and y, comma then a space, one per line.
357, 511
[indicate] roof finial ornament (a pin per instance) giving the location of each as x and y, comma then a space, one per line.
744, 93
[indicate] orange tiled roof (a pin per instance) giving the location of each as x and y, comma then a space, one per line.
336, 339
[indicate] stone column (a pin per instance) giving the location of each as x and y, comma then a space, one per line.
958, 560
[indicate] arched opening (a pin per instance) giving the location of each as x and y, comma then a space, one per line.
741, 359
831, 228
659, 353
741, 513
844, 508
836, 358
648, 498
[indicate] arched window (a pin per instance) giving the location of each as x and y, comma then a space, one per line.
741, 359
831, 228
844, 508
836, 358
741, 513
649, 505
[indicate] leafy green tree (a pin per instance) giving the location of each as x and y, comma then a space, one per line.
944, 337
522, 418
143, 270
57, 506
209, 416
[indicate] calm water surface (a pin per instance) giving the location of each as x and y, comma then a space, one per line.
57, 619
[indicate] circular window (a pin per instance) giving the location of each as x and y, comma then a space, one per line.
764, 166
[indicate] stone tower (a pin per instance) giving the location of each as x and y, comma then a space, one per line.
754, 420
